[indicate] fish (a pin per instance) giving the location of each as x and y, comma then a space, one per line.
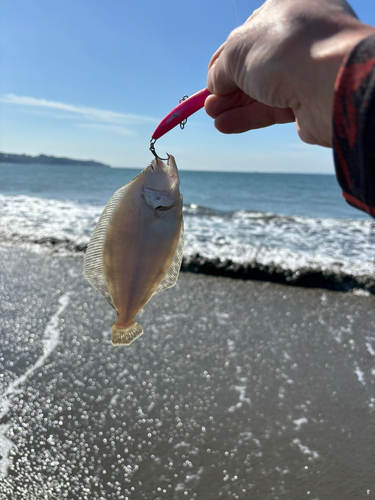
137, 245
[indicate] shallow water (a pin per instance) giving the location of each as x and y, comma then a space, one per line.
296, 223
235, 390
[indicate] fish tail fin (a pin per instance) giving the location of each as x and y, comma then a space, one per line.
125, 335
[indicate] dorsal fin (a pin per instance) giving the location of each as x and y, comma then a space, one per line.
93, 268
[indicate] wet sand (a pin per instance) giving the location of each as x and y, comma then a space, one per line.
236, 390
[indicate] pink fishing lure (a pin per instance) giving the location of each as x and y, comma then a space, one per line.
181, 112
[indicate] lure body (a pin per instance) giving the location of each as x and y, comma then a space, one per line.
181, 112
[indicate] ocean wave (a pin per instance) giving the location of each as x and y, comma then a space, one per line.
31, 218
306, 274
202, 211
330, 253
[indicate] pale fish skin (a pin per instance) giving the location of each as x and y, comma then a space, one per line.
136, 248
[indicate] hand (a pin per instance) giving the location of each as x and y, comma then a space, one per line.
281, 66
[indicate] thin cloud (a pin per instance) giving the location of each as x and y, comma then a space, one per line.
109, 128
93, 114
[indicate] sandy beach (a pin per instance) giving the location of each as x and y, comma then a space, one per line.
237, 390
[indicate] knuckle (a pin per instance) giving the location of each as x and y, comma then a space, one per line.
236, 35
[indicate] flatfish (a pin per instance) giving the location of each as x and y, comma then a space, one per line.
136, 248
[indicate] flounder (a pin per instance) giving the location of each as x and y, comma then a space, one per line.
136, 248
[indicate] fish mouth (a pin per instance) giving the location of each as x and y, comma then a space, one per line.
169, 168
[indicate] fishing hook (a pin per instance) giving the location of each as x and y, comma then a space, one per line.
178, 115
183, 123
195, 102
152, 149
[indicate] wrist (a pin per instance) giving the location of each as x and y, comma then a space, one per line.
354, 126
328, 56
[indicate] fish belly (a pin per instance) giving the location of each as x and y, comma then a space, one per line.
139, 247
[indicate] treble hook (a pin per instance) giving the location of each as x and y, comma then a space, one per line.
152, 149
183, 123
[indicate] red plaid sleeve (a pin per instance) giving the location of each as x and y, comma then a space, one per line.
354, 126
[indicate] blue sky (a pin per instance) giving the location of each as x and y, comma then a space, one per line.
90, 79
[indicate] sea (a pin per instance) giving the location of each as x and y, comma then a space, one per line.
289, 228
237, 389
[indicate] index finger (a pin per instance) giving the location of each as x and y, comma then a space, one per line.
216, 55
219, 78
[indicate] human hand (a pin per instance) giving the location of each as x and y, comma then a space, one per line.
281, 66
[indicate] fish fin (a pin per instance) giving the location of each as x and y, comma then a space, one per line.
171, 277
125, 336
93, 268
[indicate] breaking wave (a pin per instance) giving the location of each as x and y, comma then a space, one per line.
321, 252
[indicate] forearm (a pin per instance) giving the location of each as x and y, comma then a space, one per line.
354, 126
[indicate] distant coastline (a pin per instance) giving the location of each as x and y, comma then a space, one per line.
47, 160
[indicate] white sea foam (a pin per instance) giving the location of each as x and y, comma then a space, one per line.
299, 422
305, 449
50, 341
291, 243
37, 218
360, 374
114, 399
242, 398
370, 344
360, 293
182, 444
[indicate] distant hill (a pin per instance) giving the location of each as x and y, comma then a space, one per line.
47, 160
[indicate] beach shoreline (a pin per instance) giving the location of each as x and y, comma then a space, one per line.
276, 228
330, 278
237, 389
